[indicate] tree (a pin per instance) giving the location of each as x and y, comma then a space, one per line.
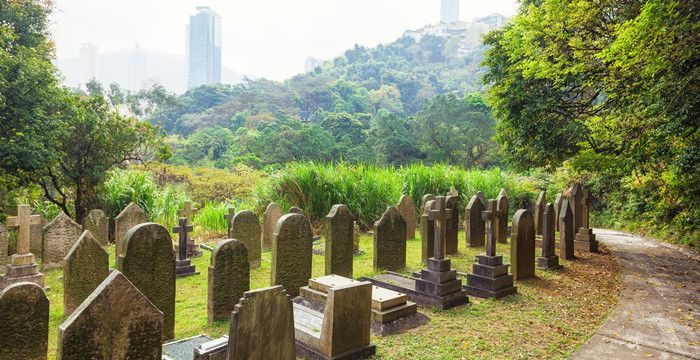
388, 98
392, 140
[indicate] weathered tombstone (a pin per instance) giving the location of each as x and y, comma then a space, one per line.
188, 212
148, 261
4, 246
522, 245
557, 210
229, 219
295, 210
229, 278
482, 197
425, 199
390, 241
475, 226
131, 216
427, 231
36, 236
453, 192
98, 224
338, 226
273, 212
452, 225
24, 322
566, 231
23, 267
246, 227
502, 219
262, 325
291, 253
576, 204
59, 236
115, 322
539, 211
549, 260
585, 239
86, 266
407, 209
183, 265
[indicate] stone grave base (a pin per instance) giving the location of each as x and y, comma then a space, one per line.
22, 268
585, 240
184, 268
305, 352
399, 325
548, 264
397, 282
490, 278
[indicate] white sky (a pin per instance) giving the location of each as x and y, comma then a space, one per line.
269, 38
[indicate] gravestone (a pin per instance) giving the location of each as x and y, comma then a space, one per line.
557, 209
4, 246
482, 197
539, 211
474, 226
188, 212
273, 212
549, 260
453, 192
576, 204
338, 226
86, 266
452, 225
356, 238
295, 210
291, 253
390, 241
262, 324
59, 236
502, 219
522, 245
229, 278
427, 231
246, 227
24, 322
36, 236
115, 322
148, 261
425, 199
98, 224
585, 239
407, 209
566, 231
229, 219
183, 265
22, 267
131, 216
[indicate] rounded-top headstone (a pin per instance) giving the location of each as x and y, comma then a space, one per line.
246, 228
338, 228
407, 209
522, 245
292, 253
229, 278
390, 241
24, 322
273, 212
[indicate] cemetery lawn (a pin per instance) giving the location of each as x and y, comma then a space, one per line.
551, 316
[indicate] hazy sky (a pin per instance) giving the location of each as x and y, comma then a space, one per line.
269, 38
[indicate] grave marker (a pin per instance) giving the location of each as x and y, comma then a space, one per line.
452, 225
557, 210
501, 223
566, 231
229, 279
192, 248
273, 212
427, 231
86, 266
24, 322
585, 239
539, 211
390, 241
59, 236
475, 226
291, 253
183, 265
246, 227
4, 246
98, 225
549, 260
229, 221
23, 267
339, 241
407, 209
131, 216
522, 245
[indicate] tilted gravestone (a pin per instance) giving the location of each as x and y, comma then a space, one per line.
246, 227
229, 278
98, 225
338, 226
522, 245
427, 231
24, 322
566, 231
539, 211
475, 227
501, 221
59, 236
273, 212
4, 245
407, 209
549, 260
131, 216
390, 241
86, 266
452, 225
148, 261
115, 322
291, 253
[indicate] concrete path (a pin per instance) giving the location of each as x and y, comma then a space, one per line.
658, 316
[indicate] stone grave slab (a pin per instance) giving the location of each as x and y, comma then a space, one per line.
59, 237
245, 227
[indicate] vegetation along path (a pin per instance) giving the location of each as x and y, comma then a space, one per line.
659, 311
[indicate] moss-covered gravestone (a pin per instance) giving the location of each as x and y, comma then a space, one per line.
273, 212
148, 261
115, 322
475, 225
338, 227
86, 266
501, 222
131, 216
59, 236
98, 225
427, 231
566, 231
24, 322
407, 209
522, 245
291, 253
229, 278
452, 225
390, 241
539, 212
245, 227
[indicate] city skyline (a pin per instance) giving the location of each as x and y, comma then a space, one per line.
203, 47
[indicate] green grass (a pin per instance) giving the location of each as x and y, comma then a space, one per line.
552, 315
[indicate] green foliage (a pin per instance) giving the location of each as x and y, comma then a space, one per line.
123, 187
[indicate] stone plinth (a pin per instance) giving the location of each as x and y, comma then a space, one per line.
490, 278
585, 240
22, 268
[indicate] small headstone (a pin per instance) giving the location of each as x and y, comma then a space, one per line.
452, 225
475, 226
229, 278
390, 241
407, 209
246, 227
566, 231
427, 231
115, 322
86, 266
549, 260
131, 216
22, 267
522, 245
539, 211
502, 220
24, 322
338, 226
183, 265
59, 237
291, 253
557, 208
98, 225
273, 212
148, 261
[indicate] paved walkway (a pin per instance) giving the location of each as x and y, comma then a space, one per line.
658, 316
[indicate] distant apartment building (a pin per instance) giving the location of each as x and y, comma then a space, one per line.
88, 63
449, 11
204, 47
311, 63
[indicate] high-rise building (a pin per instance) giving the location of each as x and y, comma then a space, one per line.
139, 68
449, 11
88, 62
204, 47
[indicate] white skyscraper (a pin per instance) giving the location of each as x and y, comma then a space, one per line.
88, 62
449, 11
204, 47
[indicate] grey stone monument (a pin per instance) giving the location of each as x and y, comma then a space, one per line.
183, 265
86, 266
549, 260
24, 322
338, 226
